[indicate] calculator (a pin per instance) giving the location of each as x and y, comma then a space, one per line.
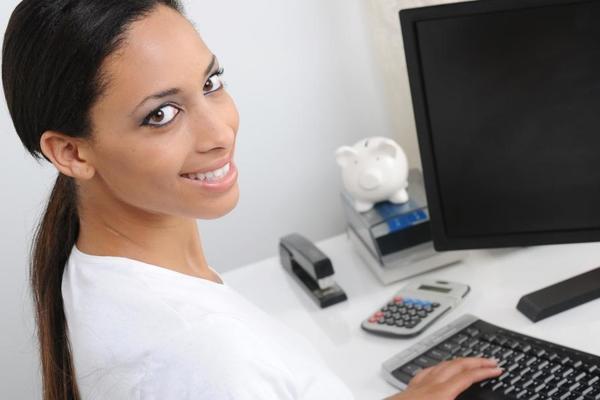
415, 307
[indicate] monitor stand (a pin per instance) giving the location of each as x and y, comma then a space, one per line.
561, 296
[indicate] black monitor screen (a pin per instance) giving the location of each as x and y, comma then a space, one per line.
507, 103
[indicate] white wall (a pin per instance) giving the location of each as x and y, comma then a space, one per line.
305, 80
385, 33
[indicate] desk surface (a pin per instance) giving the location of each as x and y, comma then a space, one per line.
498, 278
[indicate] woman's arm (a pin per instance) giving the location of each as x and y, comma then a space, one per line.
447, 380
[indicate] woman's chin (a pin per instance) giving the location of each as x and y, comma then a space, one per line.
220, 208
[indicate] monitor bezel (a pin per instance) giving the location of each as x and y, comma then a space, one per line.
442, 241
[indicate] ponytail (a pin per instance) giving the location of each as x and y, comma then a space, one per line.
55, 236
52, 58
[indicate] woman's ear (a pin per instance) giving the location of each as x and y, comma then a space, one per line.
68, 154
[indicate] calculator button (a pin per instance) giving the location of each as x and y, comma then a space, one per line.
398, 299
390, 321
400, 323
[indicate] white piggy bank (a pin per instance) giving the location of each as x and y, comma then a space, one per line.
374, 169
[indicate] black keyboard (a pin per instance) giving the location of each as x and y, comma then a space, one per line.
533, 369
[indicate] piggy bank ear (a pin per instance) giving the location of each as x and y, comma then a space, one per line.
345, 155
387, 147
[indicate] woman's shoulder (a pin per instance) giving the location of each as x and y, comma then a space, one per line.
120, 305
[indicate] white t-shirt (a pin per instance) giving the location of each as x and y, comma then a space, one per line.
139, 331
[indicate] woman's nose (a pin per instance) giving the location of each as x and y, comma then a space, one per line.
211, 130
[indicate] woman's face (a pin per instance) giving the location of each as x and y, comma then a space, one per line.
164, 130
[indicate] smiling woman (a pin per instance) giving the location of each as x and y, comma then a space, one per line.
127, 102
134, 116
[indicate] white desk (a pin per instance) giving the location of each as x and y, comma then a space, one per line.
498, 278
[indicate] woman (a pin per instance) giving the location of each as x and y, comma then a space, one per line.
127, 102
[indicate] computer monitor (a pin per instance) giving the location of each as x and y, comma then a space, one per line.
506, 97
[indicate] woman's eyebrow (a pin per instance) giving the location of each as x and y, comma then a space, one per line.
173, 91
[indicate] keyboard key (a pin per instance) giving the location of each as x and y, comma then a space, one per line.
522, 394
411, 369
512, 344
425, 362
452, 348
402, 376
460, 339
580, 376
472, 332
544, 364
565, 360
439, 355
567, 372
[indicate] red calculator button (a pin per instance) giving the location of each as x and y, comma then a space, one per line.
373, 319
398, 299
378, 314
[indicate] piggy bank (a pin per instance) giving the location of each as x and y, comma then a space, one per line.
374, 169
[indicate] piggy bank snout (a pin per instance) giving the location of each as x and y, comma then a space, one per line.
370, 179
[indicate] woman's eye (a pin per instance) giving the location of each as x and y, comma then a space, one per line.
162, 116
213, 83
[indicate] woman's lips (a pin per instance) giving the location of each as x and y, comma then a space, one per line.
215, 183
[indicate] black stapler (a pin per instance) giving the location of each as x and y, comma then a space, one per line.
311, 268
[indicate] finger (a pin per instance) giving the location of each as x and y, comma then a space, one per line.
448, 370
421, 375
465, 379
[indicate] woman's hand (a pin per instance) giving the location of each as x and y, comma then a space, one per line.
448, 379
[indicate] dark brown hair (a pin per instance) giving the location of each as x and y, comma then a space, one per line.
51, 71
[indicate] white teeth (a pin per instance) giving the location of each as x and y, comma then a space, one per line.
210, 176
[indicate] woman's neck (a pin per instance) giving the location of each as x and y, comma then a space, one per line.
117, 229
